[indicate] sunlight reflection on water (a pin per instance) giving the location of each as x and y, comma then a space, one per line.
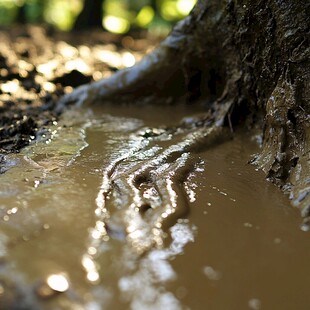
54, 207
142, 289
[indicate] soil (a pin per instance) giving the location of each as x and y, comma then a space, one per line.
39, 65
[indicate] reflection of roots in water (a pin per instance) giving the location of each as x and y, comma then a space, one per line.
143, 285
144, 191
155, 199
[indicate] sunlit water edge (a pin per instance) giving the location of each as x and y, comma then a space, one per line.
39, 195
48, 204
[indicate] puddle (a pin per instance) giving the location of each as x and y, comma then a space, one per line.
238, 247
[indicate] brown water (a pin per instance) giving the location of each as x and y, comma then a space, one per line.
239, 247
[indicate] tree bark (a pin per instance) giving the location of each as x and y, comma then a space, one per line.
250, 61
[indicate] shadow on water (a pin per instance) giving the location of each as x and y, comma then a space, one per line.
239, 247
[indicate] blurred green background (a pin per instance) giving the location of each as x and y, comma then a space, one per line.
117, 16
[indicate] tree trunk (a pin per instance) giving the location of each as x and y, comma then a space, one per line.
90, 16
250, 61
21, 14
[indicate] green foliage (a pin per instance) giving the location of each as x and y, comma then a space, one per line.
119, 15
8, 11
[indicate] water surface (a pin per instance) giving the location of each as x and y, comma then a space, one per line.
239, 246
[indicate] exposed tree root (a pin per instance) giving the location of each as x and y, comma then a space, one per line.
143, 192
216, 55
156, 75
151, 194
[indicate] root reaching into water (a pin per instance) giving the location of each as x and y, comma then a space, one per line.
144, 80
143, 192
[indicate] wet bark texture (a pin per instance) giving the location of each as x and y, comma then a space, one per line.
250, 57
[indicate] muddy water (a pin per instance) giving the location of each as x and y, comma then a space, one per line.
238, 247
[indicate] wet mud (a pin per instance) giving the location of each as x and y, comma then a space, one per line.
39, 65
78, 231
